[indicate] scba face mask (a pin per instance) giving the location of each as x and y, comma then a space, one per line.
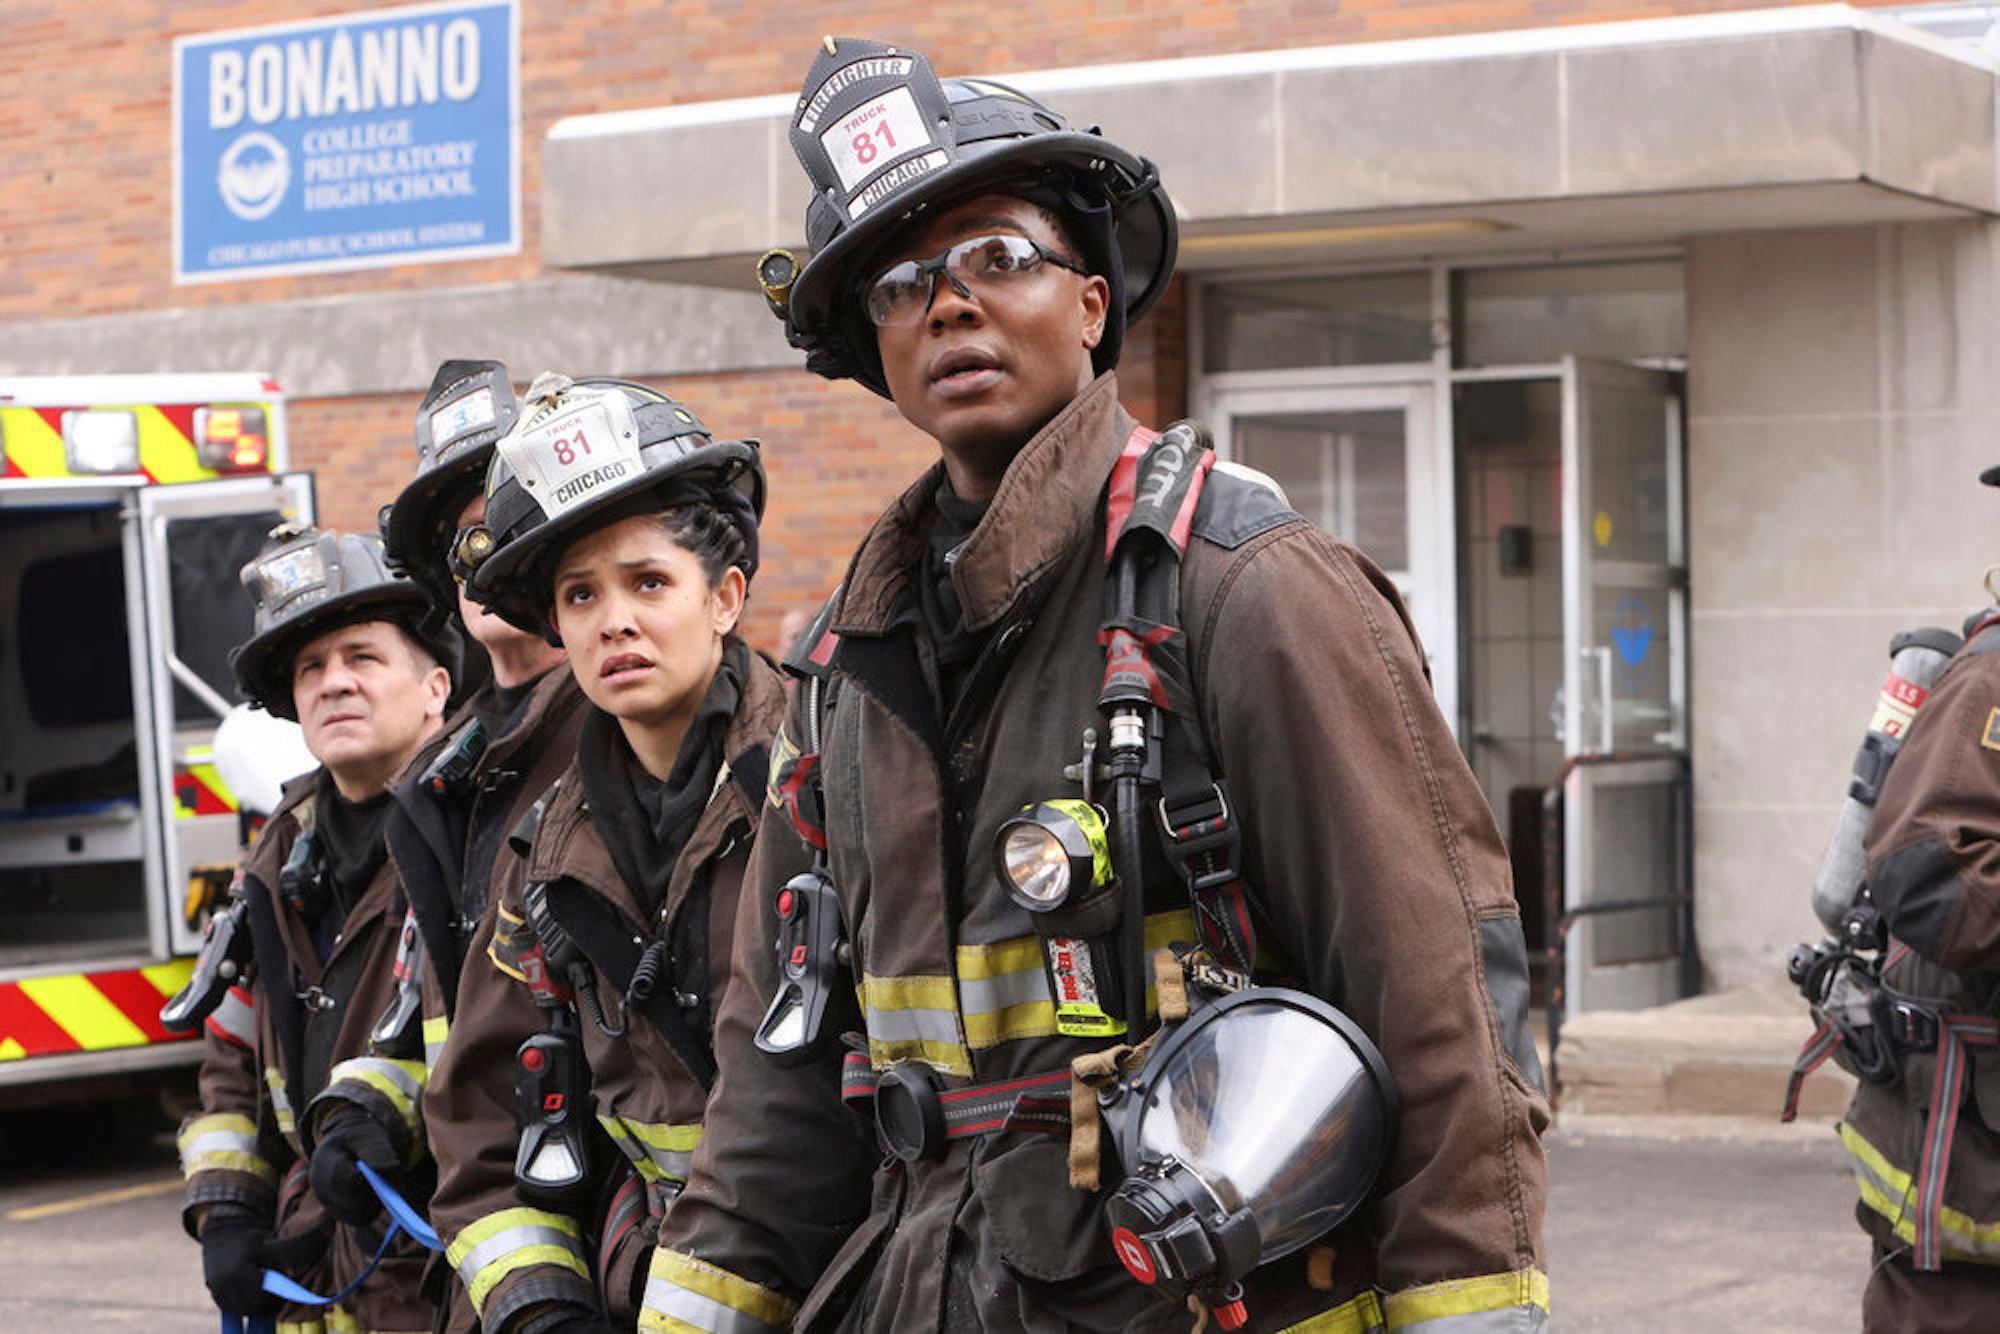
1252, 1127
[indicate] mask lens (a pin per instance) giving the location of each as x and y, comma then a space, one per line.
1037, 865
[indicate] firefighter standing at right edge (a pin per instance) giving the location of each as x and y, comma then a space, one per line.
1926, 1146
977, 261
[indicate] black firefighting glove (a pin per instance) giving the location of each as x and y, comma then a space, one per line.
347, 1139
232, 1261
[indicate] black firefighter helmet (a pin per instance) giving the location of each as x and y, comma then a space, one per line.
882, 139
308, 581
582, 453
469, 405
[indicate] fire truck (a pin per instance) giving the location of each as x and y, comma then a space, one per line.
128, 504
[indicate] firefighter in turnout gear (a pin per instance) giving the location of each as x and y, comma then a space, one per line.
455, 803
1240, 714
1926, 1142
344, 646
574, 1085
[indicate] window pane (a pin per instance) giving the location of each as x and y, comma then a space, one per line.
1532, 316
1285, 324
211, 614
1343, 470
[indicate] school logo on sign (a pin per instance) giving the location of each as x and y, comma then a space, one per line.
253, 176
349, 142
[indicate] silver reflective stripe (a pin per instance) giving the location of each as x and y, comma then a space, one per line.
1513, 1320
235, 1019
435, 1032
391, 1072
993, 994
217, 1141
502, 1244
672, 1300
940, 1026
654, 1161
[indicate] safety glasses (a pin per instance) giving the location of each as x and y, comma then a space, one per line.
983, 264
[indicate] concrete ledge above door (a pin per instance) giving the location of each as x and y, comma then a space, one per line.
1605, 134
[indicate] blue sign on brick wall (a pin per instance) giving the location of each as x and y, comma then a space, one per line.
348, 142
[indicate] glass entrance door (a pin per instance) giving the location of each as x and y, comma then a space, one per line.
1363, 462
1624, 714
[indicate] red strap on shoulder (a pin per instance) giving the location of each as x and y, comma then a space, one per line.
1124, 486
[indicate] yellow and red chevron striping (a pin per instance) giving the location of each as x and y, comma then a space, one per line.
43, 1016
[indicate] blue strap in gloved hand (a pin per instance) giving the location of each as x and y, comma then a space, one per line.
399, 1209
402, 1218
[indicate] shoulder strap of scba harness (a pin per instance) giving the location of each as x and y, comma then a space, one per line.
1149, 513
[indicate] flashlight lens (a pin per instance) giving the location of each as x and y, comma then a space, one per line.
1037, 866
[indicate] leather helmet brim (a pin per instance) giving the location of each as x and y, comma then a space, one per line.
263, 663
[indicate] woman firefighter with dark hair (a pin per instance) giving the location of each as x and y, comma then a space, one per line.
617, 526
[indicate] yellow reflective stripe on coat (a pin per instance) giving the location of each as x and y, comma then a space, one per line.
436, 1030
1892, 1193
1488, 1304
1363, 1315
689, 1296
223, 1142
513, 1239
401, 1082
274, 1081
1003, 988
658, 1151
913, 1019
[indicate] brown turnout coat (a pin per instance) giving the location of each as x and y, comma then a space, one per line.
1372, 857
1933, 855
649, 1104
256, 1091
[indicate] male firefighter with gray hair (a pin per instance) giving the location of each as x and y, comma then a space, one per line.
1082, 696
345, 647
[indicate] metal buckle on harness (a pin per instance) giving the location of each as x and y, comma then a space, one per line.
1204, 829
1911, 1026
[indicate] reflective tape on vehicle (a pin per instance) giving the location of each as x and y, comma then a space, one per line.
401, 1082
436, 1030
223, 1142
514, 1239
32, 440
1513, 1303
658, 1151
688, 1296
46, 1016
199, 789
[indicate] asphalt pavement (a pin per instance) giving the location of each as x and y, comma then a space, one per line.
1651, 1226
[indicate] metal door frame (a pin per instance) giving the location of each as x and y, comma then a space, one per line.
1593, 761
146, 513
1428, 484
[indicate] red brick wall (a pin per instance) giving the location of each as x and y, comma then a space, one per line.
86, 126
834, 455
